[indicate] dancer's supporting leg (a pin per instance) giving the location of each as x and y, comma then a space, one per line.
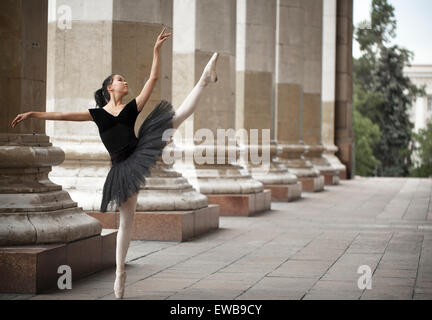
191, 102
127, 213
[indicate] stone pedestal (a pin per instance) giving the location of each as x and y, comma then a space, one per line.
160, 225
34, 268
235, 205
168, 208
283, 184
330, 156
292, 157
228, 185
33, 210
316, 156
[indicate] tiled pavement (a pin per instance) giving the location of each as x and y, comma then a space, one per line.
309, 249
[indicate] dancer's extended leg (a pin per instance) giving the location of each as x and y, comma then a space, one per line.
191, 102
127, 213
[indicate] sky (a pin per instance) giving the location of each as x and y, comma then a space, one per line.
414, 26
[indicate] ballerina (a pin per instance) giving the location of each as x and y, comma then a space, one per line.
132, 157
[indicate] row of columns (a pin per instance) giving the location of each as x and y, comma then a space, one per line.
272, 60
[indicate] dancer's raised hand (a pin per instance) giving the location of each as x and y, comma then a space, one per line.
161, 39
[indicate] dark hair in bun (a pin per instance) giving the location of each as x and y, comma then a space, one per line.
102, 96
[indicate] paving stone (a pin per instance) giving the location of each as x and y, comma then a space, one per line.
342, 273
399, 264
157, 285
423, 290
6, 296
317, 255
419, 296
395, 273
397, 282
424, 276
336, 286
280, 284
221, 284
249, 277
260, 294
302, 269
138, 295
359, 259
388, 293
424, 284
205, 294
331, 295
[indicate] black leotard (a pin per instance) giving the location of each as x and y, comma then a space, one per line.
117, 132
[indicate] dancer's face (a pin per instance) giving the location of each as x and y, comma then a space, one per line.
119, 85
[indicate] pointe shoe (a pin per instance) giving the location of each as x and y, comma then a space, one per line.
119, 285
209, 74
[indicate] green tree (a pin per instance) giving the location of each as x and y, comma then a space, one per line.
424, 151
384, 94
367, 135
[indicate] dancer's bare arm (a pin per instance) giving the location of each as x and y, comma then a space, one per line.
60, 116
146, 92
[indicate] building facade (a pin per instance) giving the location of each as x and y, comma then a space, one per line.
421, 110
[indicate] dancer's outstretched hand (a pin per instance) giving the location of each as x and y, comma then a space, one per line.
161, 39
19, 118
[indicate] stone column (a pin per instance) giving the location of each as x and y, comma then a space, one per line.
33, 209
289, 94
117, 36
329, 87
255, 66
80, 56
344, 86
40, 226
202, 27
312, 90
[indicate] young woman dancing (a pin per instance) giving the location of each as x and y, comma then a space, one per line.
132, 157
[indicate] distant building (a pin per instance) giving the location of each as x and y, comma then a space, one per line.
421, 111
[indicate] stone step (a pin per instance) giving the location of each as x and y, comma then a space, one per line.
33, 269
285, 193
312, 184
165, 225
234, 205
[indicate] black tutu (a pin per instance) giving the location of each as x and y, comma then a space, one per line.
133, 163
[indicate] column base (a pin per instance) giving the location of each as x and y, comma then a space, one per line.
241, 205
285, 193
329, 155
331, 178
312, 184
165, 225
343, 175
33, 269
